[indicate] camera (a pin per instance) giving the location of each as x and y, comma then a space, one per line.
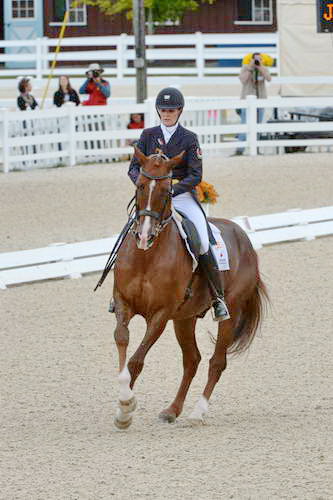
95, 73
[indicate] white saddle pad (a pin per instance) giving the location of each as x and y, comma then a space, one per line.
220, 249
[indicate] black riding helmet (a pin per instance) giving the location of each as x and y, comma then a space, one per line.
169, 98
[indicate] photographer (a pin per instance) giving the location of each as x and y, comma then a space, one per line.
97, 88
253, 76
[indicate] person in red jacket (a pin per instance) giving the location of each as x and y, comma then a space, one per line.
97, 88
136, 121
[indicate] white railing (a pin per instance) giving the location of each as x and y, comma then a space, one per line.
198, 54
72, 135
73, 260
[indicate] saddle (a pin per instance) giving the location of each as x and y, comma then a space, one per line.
192, 235
192, 241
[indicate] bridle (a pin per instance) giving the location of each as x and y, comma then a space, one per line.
159, 216
133, 220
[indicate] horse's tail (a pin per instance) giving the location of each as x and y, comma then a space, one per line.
250, 318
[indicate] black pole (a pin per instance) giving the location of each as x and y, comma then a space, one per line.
140, 50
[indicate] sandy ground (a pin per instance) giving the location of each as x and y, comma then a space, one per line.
267, 432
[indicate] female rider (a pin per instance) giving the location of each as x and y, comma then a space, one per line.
172, 139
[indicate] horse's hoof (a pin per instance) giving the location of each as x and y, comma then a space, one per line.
128, 406
122, 424
195, 422
170, 418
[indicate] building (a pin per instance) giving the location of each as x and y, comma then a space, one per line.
25, 19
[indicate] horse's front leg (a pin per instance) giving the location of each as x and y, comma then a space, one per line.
185, 333
127, 402
155, 327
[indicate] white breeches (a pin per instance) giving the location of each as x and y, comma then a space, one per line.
186, 204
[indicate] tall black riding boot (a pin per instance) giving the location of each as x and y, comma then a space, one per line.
213, 275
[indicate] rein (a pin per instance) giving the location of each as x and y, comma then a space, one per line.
114, 252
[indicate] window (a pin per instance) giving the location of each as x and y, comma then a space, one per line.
77, 15
254, 12
23, 9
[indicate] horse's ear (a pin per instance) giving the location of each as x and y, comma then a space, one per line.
140, 156
175, 160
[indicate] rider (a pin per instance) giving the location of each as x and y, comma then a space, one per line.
172, 139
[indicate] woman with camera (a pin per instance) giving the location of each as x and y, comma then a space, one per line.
253, 76
97, 88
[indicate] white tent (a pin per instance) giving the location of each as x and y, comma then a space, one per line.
303, 51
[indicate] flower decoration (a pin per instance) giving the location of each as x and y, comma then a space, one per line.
206, 192
266, 59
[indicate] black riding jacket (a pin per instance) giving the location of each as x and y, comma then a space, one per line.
188, 172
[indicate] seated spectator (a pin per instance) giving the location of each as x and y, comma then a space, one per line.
25, 100
65, 93
136, 121
97, 88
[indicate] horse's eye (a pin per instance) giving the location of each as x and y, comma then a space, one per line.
141, 187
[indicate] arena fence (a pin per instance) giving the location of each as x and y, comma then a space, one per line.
197, 54
85, 134
72, 260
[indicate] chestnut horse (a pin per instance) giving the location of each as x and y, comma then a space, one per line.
152, 277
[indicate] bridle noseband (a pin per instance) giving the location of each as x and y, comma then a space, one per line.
152, 213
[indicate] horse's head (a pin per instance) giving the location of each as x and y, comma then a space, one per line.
153, 196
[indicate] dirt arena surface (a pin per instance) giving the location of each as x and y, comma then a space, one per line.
268, 431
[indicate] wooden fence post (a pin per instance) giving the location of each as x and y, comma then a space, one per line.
251, 122
199, 45
39, 58
45, 53
121, 50
150, 120
71, 133
5, 140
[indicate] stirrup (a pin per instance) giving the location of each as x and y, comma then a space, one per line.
112, 307
221, 312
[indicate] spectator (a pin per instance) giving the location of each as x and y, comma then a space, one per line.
25, 100
97, 88
136, 121
253, 76
65, 93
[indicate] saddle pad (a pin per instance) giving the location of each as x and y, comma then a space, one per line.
220, 249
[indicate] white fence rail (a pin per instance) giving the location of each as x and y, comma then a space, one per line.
71, 135
73, 260
197, 54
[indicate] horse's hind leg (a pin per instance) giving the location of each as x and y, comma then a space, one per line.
127, 402
185, 333
217, 365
